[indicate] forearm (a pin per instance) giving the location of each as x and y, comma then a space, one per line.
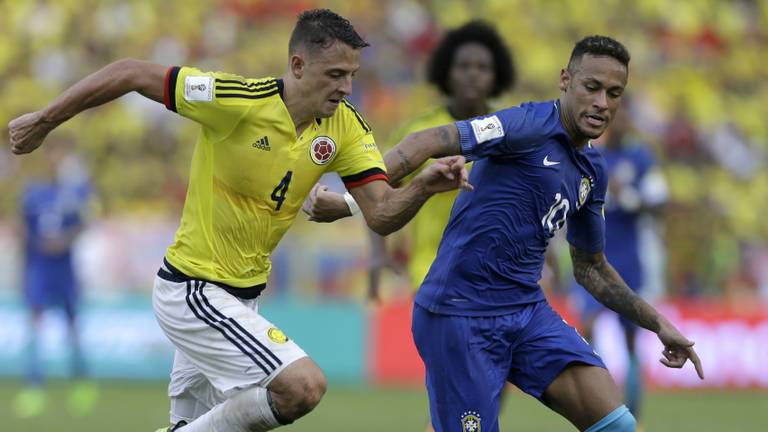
104, 85
418, 147
602, 281
397, 207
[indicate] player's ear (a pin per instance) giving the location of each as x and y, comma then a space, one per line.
297, 64
565, 77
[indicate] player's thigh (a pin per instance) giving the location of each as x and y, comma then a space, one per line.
550, 354
464, 381
222, 336
583, 394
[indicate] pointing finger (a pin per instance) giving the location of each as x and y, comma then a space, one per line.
696, 361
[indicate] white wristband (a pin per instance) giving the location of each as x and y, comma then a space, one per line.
351, 203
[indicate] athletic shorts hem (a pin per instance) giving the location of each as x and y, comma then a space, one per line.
557, 371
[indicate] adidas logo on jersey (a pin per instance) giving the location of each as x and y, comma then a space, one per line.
262, 143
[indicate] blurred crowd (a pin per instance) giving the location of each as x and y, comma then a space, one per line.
699, 97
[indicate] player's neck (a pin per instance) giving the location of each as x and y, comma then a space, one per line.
300, 112
569, 124
461, 110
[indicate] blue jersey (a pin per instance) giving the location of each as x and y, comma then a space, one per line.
628, 165
529, 180
49, 210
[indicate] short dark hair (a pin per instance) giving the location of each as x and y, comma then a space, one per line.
479, 32
320, 28
598, 46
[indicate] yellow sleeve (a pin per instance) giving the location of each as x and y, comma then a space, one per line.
215, 100
359, 161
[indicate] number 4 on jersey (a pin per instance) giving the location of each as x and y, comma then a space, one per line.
278, 195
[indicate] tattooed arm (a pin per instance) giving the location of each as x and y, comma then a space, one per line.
323, 205
419, 146
593, 272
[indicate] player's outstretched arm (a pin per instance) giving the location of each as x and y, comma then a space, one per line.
410, 153
324, 206
386, 210
593, 272
28, 131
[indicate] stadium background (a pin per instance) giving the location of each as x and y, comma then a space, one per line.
700, 100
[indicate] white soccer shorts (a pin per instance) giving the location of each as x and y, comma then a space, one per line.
222, 342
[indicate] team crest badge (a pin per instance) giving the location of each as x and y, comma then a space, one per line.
584, 189
277, 336
470, 422
322, 150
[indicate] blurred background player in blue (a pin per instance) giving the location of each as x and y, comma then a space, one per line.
637, 191
53, 215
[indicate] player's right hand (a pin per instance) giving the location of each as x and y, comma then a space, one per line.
27, 132
446, 173
323, 205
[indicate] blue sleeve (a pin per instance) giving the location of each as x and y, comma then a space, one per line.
508, 132
586, 228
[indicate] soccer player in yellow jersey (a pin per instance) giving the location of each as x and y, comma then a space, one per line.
263, 144
470, 65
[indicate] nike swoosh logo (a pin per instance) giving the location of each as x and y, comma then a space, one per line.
548, 162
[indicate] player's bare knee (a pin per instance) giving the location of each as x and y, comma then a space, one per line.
298, 390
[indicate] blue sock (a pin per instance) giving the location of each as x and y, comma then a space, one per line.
633, 386
34, 373
619, 420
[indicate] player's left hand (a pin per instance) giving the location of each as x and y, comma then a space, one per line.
445, 174
678, 349
323, 205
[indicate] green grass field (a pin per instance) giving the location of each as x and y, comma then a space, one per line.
135, 407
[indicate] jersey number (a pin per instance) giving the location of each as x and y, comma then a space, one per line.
278, 195
555, 217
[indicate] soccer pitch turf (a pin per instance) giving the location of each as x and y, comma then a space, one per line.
134, 407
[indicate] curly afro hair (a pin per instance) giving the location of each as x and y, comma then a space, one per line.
479, 32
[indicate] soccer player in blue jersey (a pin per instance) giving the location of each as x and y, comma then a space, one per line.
636, 192
480, 318
53, 210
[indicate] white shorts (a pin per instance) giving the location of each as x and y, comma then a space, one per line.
221, 340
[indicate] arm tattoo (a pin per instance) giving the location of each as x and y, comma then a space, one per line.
595, 274
450, 146
405, 164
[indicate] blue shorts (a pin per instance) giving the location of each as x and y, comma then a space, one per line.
469, 359
46, 287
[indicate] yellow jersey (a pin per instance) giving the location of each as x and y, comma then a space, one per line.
426, 228
250, 172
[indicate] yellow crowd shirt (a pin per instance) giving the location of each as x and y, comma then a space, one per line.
426, 228
250, 172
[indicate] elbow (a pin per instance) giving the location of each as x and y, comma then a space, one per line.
130, 72
578, 276
379, 225
380, 228
581, 272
